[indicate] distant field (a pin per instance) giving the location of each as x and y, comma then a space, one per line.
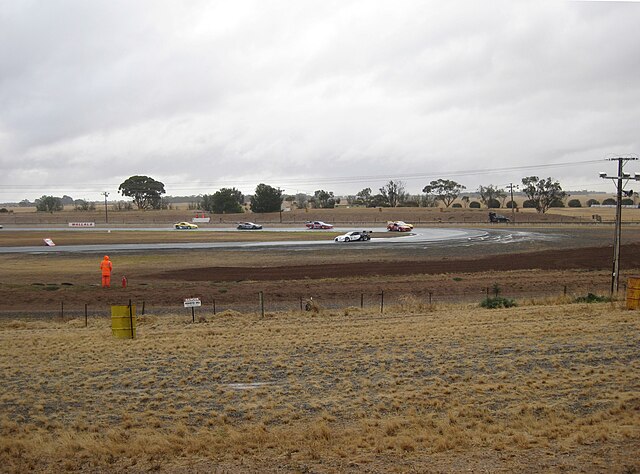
421, 388
341, 216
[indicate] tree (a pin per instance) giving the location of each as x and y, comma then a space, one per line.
574, 203
82, 205
145, 191
393, 193
489, 194
224, 201
474, 205
363, 197
324, 199
543, 192
301, 200
444, 190
266, 199
378, 200
49, 204
593, 202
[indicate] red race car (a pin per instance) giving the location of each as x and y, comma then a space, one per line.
399, 226
318, 225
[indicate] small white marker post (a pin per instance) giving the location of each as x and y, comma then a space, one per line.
192, 303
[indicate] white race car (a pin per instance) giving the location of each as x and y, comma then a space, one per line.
354, 235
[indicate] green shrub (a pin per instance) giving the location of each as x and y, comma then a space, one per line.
529, 204
593, 202
474, 205
457, 205
574, 203
609, 202
591, 298
497, 302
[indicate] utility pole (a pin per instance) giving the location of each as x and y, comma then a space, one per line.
513, 204
106, 212
622, 176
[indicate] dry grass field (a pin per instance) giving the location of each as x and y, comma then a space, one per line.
548, 386
543, 388
339, 216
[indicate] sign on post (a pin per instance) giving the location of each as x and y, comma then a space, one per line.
192, 303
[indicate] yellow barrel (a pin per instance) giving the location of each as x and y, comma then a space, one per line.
633, 293
121, 321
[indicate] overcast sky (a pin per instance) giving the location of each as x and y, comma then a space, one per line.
305, 95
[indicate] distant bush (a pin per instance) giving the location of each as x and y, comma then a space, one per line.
557, 203
497, 302
457, 205
627, 202
609, 202
410, 204
474, 205
512, 205
3, 210
574, 203
593, 202
591, 298
529, 204
493, 204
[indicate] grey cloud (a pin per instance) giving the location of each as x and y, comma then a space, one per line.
91, 92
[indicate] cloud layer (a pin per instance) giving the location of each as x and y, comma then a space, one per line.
307, 95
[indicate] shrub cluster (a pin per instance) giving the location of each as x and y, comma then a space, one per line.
497, 302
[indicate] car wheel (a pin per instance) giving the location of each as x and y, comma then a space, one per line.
347, 239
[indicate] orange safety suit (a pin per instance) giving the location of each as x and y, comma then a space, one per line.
106, 266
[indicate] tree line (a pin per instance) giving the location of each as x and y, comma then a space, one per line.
146, 193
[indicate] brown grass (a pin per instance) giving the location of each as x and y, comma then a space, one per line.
447, 388
342, 216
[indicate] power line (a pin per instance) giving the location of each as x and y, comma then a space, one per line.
300, 182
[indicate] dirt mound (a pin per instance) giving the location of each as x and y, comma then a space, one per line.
593, 258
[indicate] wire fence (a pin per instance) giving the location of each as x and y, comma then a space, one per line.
261, 302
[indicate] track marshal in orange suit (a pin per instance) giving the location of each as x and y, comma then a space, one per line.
106, 266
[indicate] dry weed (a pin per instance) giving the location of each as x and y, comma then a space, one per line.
414, 385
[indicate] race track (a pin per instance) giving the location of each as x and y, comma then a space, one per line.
418, 238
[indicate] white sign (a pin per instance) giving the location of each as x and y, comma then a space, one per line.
49, 243
192, 302
200, 219
82, 224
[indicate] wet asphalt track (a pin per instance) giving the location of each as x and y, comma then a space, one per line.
418, 238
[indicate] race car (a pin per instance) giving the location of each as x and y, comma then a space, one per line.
185, 226
318, 225
354, 235
249, 226
493, 217
399, 226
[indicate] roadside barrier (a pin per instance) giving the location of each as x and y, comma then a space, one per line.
633, 293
